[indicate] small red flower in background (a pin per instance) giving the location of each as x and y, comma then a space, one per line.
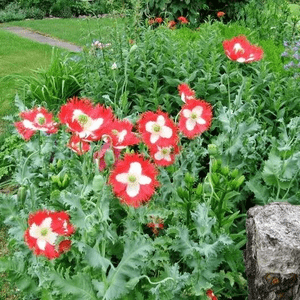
158, 20
99, 156
34, 120
211, 295
185, 92
240, 50
164, 156
120, 134
84, 119
78, 145
157, 129
220, 14
183, 20
131, 42
45, 228
156, 225
134, 180
172, 24
195, 118
151, 21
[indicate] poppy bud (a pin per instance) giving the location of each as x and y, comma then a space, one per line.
188, 178
212, 149
22, 194
98, 183
223, 89
109, 158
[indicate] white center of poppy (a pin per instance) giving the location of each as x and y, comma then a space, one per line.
158, 129
238, 48
43, 233
86, 122
193, 117
163, 153
133, 179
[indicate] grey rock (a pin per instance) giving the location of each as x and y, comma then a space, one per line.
272, 255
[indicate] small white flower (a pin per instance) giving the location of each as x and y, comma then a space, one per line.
193, 117
114, 66
133, 179
158, 129
43, 233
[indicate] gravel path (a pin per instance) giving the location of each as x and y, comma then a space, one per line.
42, 39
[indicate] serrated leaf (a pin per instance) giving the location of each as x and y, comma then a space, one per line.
134, 256
260, 191
96, 260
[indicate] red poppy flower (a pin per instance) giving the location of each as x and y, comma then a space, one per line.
172, 24
211, 295
164, 156
182, 20
157, 129
84, 119
220, 14
45, 227
185, 92
120, 134
195, 118
134, 180
240, 50
36, 119
158, 20
99, 156
78, 145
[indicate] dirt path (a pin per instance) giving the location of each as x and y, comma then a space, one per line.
42, 39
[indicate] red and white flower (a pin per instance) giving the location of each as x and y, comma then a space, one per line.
185, 92
120, 134
211, 295
240, 50
157, 129
36, 119
84, 119
45, 228
134, 180
164, 156
78, 145
99, 156
195, 118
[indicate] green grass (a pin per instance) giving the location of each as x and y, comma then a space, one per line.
77, 31
18, 56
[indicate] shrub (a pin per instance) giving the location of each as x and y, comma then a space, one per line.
62, 8
43, 5
4, 3
12, 12
34, 13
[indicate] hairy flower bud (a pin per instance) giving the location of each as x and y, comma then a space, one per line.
98, 183
212, 149
21, 194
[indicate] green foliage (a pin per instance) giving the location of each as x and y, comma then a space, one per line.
268, 18
12, 12
62, 8
62, 80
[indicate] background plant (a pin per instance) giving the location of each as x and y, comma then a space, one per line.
62, 80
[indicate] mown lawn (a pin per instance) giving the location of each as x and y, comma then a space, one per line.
77, 31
